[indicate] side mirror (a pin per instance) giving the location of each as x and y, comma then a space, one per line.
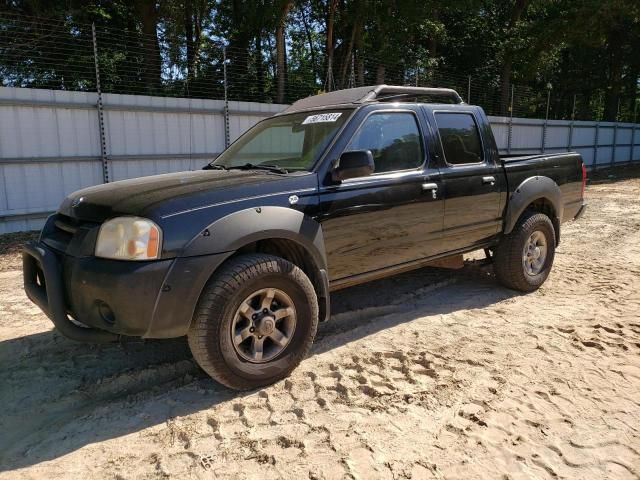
358, 163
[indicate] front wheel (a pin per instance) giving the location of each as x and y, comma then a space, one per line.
255, 321
524, 257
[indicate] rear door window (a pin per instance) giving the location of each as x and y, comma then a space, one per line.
460, 138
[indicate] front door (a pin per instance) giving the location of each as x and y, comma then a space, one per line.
388, 218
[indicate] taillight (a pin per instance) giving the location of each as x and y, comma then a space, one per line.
584, 179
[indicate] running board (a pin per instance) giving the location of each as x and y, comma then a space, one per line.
455, 261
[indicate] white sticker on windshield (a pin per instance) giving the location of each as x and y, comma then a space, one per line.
321, 118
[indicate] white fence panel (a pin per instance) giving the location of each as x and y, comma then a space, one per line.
500, 127
557, 136
601, 144
50, 142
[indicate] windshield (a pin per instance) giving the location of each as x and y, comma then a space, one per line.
291, 142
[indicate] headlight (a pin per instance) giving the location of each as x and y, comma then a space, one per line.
129, 238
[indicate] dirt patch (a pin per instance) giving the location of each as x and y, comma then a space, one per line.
11, 249
607, 175
429, 374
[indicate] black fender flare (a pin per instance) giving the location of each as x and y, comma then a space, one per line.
530, 190
241, 228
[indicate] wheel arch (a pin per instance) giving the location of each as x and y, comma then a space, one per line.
540, 194
279, 231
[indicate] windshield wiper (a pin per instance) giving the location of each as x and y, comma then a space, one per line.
212, 166
251, 166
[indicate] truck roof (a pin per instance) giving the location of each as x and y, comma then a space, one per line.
376, 93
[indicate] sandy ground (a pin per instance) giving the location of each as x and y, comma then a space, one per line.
432, 374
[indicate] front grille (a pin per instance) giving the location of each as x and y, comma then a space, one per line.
61, 230
65, 224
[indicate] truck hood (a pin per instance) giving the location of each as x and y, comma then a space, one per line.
170, 194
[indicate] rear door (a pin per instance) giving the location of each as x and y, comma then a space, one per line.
470, 177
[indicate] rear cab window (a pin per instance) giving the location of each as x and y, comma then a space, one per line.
460, 138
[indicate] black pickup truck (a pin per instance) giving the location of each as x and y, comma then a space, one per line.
338, 189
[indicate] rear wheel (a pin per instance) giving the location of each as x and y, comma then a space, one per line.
255, 321
524, 257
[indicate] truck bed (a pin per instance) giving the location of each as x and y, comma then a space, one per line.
564, 168
519, 157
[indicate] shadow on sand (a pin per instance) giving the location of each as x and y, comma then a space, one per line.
57, 394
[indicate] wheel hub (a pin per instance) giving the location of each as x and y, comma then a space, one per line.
534, 253
263, 325
266, 326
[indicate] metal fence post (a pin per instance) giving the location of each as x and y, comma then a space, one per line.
615, 135
469, 90
352, 77
573, 119
543, 140
103, 138
633, 131
595, 146
613, 147
510, 130
328, 84
226, 99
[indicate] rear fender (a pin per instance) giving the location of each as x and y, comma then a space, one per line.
530, 190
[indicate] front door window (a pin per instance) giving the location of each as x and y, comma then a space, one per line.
394, 141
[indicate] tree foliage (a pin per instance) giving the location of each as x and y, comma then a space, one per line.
582, 51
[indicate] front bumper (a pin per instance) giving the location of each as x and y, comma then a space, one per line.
114, 298
43, 286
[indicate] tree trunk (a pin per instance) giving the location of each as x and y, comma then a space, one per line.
346, 64
633, 95
151, 69
381, 46
259, 65
380, 74
360, 73
432, 44
518, 9
281, 62
193, 25
505, 87
583, 108
616, 60
240, 40
612, 99
331, 15
188, 30
312, 49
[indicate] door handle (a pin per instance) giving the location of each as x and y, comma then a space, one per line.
433, 187
489, 180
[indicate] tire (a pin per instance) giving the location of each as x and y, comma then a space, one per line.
223, 314
509, 262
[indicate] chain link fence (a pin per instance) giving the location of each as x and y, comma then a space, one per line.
90, 105
62, 55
